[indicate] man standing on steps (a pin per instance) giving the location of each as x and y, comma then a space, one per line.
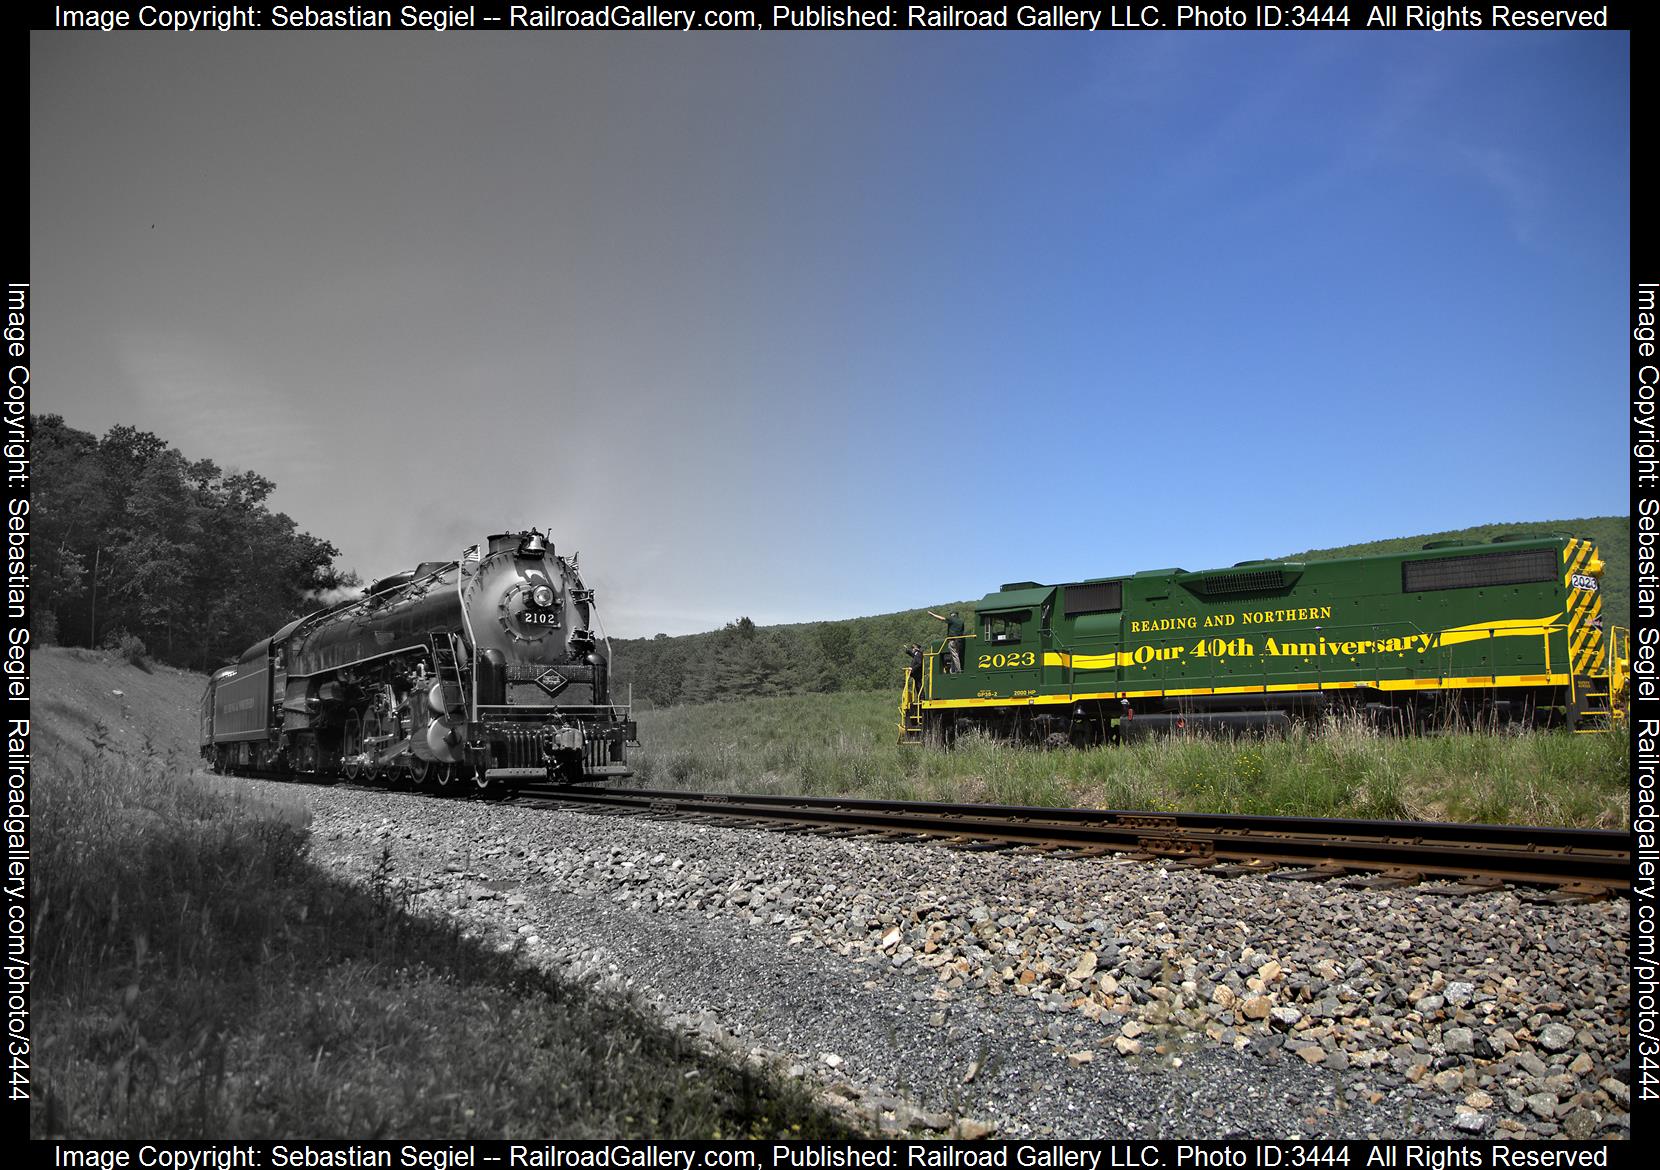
953, 640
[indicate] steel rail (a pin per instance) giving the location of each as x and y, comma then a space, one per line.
1588, 862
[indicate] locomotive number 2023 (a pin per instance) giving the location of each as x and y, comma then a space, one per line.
1016, 658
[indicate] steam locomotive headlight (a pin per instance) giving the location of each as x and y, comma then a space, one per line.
542, 596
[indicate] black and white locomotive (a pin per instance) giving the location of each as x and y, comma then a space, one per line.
478, 672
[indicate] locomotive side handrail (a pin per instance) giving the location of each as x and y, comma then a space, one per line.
935, 650
467, 620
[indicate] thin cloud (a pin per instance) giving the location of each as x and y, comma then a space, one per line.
1505, 176
208, 404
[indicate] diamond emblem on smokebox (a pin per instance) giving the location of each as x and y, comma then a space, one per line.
552, 682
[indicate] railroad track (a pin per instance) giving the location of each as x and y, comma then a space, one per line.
1571, 864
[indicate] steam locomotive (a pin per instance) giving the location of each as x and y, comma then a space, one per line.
482, 672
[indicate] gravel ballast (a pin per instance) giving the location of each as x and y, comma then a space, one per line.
967, 994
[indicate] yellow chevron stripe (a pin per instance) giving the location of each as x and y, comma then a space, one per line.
1590, 656
1574, 558
1578, 602
1588, 649
1577, 630
1586, 634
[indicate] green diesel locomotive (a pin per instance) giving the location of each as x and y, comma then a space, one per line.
1505, 633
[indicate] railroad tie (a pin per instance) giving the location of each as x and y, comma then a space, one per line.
1466, 887
1389, 879
1573, 893
980, 845
1314, 873
1191, 862
1242, 868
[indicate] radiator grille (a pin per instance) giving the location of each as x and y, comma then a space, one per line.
1096, 597
1248, 581
1494, 568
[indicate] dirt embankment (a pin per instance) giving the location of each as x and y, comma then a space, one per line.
75, 692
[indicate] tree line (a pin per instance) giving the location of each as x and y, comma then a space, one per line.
743, 660
136, 547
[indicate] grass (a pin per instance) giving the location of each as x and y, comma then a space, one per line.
196, 975
844, 744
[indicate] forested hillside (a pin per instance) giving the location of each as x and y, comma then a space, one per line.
139, 548
1611, 534
745, 660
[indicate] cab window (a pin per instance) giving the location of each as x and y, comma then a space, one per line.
1004, 627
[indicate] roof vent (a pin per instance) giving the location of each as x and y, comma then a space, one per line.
1220, 582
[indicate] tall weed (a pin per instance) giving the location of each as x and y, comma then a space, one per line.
844, 743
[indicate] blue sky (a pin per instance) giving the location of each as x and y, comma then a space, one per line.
808, 326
